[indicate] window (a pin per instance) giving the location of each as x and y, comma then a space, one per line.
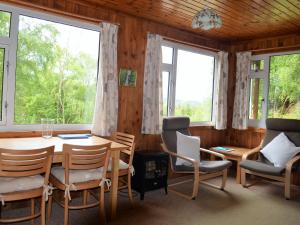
188, 76
274, 87
48, 69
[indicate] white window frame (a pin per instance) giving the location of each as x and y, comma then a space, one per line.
12, 42
264, 75
172, 70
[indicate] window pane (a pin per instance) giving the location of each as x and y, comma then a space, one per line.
4, 23
56, 72
256, 99
194, 86
284, 88
165, 80
2, 58
258, 65
167, 55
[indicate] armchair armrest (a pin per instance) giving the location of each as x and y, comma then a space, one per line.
193, 161
252, 152
291, 162
213, 153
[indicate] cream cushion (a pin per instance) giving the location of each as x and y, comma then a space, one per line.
122, 165
13, 184
187, 146
77, 176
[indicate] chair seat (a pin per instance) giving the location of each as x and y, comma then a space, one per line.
206, 166
15, 184
262, 167
76, 176
122, 165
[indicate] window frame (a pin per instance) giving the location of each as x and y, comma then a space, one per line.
172, 69
12, 45
265, 76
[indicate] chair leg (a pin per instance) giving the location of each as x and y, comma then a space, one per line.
287, 185
85, 197
43, 211
66, 210
102, 205
129, 187
49, 209
196, 185
32, 209
243, 177
224, 179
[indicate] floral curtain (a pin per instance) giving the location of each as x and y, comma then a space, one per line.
220, 92
240, 108
152, 97
106, 105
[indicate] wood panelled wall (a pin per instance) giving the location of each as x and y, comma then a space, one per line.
131, 53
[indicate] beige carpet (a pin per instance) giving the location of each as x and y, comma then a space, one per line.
262, 204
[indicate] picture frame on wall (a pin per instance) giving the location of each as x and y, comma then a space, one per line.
127, 77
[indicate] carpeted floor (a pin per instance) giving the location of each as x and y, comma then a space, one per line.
261, 204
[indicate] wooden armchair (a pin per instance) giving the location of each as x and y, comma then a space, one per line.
24, 174
261, 166
203, 171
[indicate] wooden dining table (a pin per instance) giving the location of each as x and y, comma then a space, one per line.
40, 142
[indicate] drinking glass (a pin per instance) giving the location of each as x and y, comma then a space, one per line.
47, 127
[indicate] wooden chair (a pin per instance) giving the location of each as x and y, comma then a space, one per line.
203, 171
262, 167
84, 168
126, 168
24, 174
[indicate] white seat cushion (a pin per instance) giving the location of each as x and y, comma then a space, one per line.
188, 146
122, 165
77, 176
13, 184
280, 150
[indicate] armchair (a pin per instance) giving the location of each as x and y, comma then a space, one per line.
261, 166
201, 171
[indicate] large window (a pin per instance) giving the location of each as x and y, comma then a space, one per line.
48, 69
274, 87
188, 76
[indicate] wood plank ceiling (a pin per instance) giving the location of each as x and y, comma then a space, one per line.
242, 19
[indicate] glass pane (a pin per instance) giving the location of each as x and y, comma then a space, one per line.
4, 23
165, 80
194, 86
2, 58
258, 65
256, 98
284, 88
56, 72
167, 55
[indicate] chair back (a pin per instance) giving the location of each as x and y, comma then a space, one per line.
169, 128
128, 140
290, 127
22, 163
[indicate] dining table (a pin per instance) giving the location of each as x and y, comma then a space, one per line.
41, 142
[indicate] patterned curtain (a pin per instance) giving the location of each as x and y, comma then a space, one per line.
106, 105
152, 97
240, 108
220, 92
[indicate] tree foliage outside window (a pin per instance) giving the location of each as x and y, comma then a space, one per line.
284, 87
51, 80
4, 23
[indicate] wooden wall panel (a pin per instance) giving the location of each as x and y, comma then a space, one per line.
131, 53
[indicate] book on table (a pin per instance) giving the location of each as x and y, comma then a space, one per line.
225, 149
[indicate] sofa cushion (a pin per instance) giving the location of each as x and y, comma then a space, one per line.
206, 166
77, 176
122, 165
261, 167
14, 184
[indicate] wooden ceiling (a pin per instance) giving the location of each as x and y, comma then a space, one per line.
242, 19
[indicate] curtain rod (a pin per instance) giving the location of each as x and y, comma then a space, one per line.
58, 12
190, 44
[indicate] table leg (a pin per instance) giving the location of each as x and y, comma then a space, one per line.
114, 182
238, 172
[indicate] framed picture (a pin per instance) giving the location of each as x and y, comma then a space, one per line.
127, 77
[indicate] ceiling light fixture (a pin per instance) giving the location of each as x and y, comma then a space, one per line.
206, 19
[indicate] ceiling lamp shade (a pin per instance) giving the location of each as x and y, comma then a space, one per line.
206, 19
